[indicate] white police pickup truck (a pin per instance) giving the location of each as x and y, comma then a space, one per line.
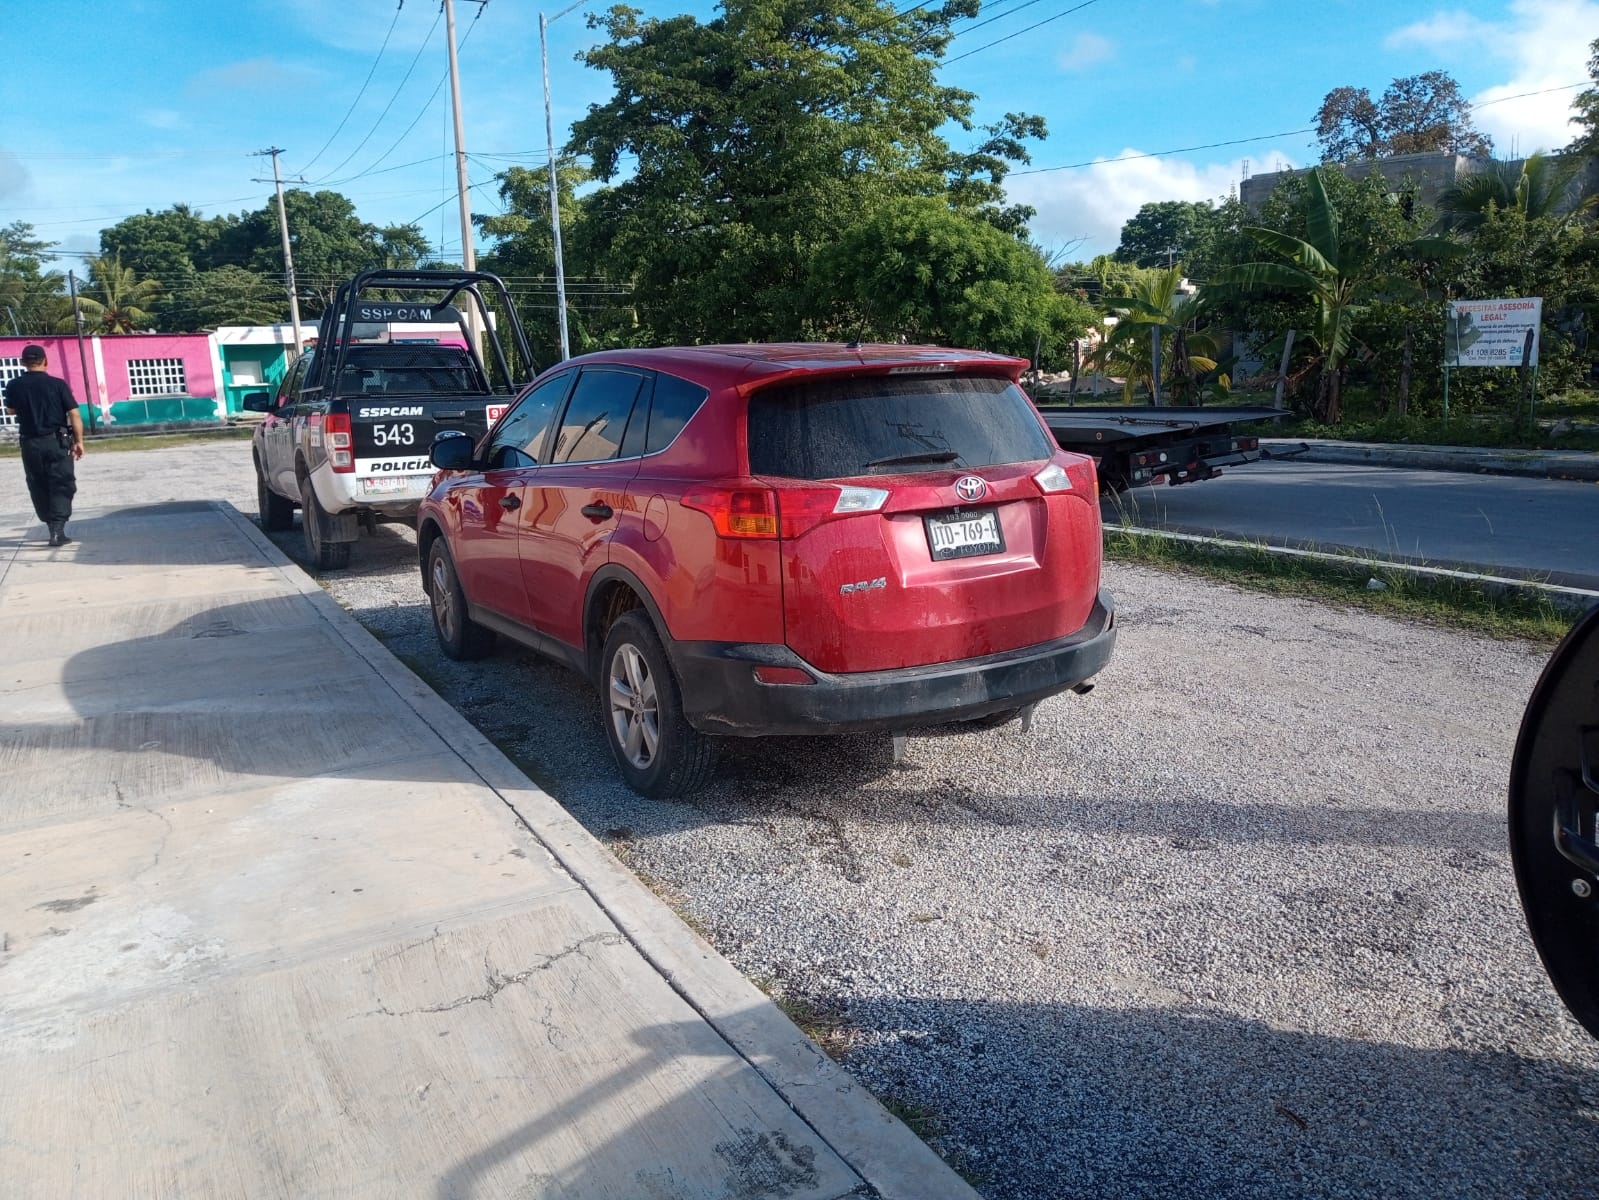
346, 435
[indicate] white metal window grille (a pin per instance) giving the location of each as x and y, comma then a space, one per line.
10, 368
156, 377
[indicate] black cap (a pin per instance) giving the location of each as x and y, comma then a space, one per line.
32, 354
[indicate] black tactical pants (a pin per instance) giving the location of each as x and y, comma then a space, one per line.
52, 480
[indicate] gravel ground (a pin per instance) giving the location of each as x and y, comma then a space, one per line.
1239, 923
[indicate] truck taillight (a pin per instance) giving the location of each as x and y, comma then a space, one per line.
337, 441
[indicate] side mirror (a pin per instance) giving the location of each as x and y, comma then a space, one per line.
451, 451
257, 401
1554, 794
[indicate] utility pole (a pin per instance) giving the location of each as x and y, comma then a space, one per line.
555, 189
83, 358
468, 255
288, 255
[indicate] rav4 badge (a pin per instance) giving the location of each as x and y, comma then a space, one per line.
865, 585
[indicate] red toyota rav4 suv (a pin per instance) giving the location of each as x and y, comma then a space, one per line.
773, 539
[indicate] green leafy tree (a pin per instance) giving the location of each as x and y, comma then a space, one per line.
1101, 279
1170, 233
1327, 266
1585, 109
330, 244
1416, 114
755, 138
230, 295
919, 271
30, 296
522, 252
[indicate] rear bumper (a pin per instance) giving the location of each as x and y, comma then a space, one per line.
722, 696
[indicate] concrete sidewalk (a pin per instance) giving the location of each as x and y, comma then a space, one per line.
276, 921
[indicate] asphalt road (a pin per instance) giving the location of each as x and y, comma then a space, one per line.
1530, 527
1240, 923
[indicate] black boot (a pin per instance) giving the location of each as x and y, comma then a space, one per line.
58, 533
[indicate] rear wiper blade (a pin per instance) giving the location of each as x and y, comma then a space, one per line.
926, 456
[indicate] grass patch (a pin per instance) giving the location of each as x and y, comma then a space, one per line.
924, 1122
1498, 433
824, 1024
100, 443
1447, 603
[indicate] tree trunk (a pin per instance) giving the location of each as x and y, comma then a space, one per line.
1323, 386
1335, 409
1404, 372
1282, 368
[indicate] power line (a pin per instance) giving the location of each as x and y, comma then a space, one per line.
422, 112
988, 45
999, 16
351, 110
1265, 137
418, 58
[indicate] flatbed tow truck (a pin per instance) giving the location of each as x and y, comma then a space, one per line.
1143, 444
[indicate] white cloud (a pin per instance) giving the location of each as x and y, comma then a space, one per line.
162, 118
1086, 50
1543, 44
1086, 208
1442, 32
253, 74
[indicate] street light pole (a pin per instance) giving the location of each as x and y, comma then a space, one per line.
555, 200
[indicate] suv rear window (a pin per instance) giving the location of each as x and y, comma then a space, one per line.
891, 425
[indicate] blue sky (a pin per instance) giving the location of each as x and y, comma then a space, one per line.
114, 107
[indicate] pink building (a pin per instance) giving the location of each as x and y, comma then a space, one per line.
133, 378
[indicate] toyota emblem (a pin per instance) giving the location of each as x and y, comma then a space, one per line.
970, 488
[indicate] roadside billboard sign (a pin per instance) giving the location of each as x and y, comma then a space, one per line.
1492, 333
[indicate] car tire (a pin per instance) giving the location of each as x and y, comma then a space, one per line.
276, 512
324, 555
659, 754
460, 637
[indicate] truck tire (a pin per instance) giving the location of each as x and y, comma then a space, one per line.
277, 512
323, 554
659, 754
459, 636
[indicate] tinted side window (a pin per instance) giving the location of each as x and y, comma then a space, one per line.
289, 389
891, 425
596, 419
519, 437
676, 400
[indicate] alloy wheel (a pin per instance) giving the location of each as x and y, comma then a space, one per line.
443, 589
635, 713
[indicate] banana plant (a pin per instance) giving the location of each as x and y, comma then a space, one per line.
1322, 267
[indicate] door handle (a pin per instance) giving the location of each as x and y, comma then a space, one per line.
511, 501
598, 512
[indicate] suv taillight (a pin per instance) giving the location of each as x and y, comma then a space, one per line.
753, 511
336, 440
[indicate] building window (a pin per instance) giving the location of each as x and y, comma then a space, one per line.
247, 370
10, 368
156, 377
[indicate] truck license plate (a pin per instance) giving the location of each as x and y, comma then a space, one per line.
963, 534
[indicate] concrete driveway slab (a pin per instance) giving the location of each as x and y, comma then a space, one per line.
275, 921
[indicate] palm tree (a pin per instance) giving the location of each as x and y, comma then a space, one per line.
1537, 189
1159, 308
120, 307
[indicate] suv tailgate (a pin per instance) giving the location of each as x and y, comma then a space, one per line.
915, 526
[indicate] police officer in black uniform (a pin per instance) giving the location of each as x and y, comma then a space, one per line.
52, 440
